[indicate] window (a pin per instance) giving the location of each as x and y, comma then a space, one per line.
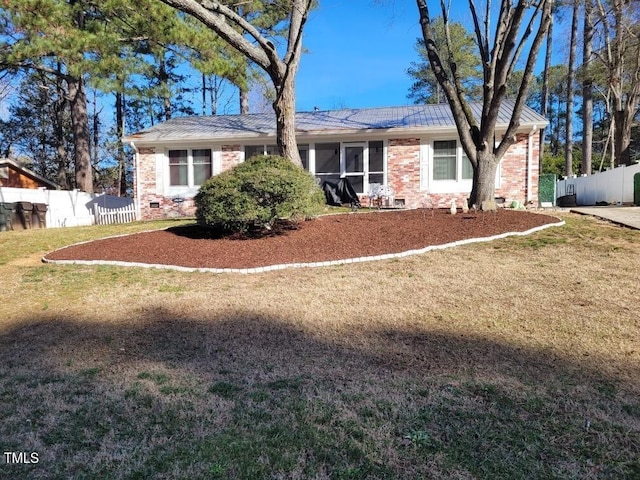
444, 160
255, 150
189, 168
450, 163
328, 161
467, 168
303, 150
362, 163
178, 167
376, 162
201, 166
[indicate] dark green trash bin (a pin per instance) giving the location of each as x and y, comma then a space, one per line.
25, 211
39, 215
636, 189
6, 216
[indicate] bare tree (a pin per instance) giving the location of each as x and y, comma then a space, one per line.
587, 89
568, 144
499, 59
252, 43
621, 58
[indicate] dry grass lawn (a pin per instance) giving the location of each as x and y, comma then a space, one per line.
518, 358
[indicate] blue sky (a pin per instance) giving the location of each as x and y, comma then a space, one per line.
357, 54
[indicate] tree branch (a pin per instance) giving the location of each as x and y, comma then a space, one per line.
465, 122
215, 16
514, 123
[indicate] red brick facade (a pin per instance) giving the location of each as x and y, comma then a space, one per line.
518, 180
232, 155
403, 167
153, 205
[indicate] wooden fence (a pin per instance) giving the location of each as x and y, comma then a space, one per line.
109, 216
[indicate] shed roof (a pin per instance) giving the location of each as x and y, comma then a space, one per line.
409, 117
7, 162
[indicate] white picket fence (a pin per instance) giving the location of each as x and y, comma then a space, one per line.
109, 216
612, 186
71, 208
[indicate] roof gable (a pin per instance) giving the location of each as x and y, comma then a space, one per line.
408, 118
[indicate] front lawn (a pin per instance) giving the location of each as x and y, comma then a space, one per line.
513, 359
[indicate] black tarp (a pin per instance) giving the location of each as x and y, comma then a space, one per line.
567, 201
331, 194
342, 192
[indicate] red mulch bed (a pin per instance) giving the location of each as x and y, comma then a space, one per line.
331, 237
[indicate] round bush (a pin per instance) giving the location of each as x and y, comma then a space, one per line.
256, 193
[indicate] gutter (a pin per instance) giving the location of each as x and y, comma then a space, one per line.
136, 196
533, 131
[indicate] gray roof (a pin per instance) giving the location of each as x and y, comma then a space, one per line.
410, 117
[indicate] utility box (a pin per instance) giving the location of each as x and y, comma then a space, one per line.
547, 189
636, 189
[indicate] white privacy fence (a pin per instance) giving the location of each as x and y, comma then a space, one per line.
611, 186
71, 208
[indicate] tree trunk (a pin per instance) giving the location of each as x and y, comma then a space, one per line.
484, 178
122, 167
244, 101
587, 90
261, 51
285, 109
544, 98
568, 146
204, 95
163, 78
95, 124
62, 171
81, 134
622, 137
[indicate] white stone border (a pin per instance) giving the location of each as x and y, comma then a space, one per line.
270, 268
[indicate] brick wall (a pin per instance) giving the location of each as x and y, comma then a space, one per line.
163, 205
152, 205
514, 170
403, 170
231, 156
403, 162
403, 175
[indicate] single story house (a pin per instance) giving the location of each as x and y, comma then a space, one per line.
413, 149
14, 175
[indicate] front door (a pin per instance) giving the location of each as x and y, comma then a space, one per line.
353, 165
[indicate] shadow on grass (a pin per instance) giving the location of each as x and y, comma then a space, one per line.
243, 395
199, 232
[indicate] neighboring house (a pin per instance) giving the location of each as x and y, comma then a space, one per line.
412, 149
14, 175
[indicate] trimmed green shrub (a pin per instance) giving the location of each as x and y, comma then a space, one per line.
257, 193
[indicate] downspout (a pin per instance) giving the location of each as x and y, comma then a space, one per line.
136, 196
534, 129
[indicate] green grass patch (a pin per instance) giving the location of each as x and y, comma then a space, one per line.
225, 389
155, 377
514, 362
